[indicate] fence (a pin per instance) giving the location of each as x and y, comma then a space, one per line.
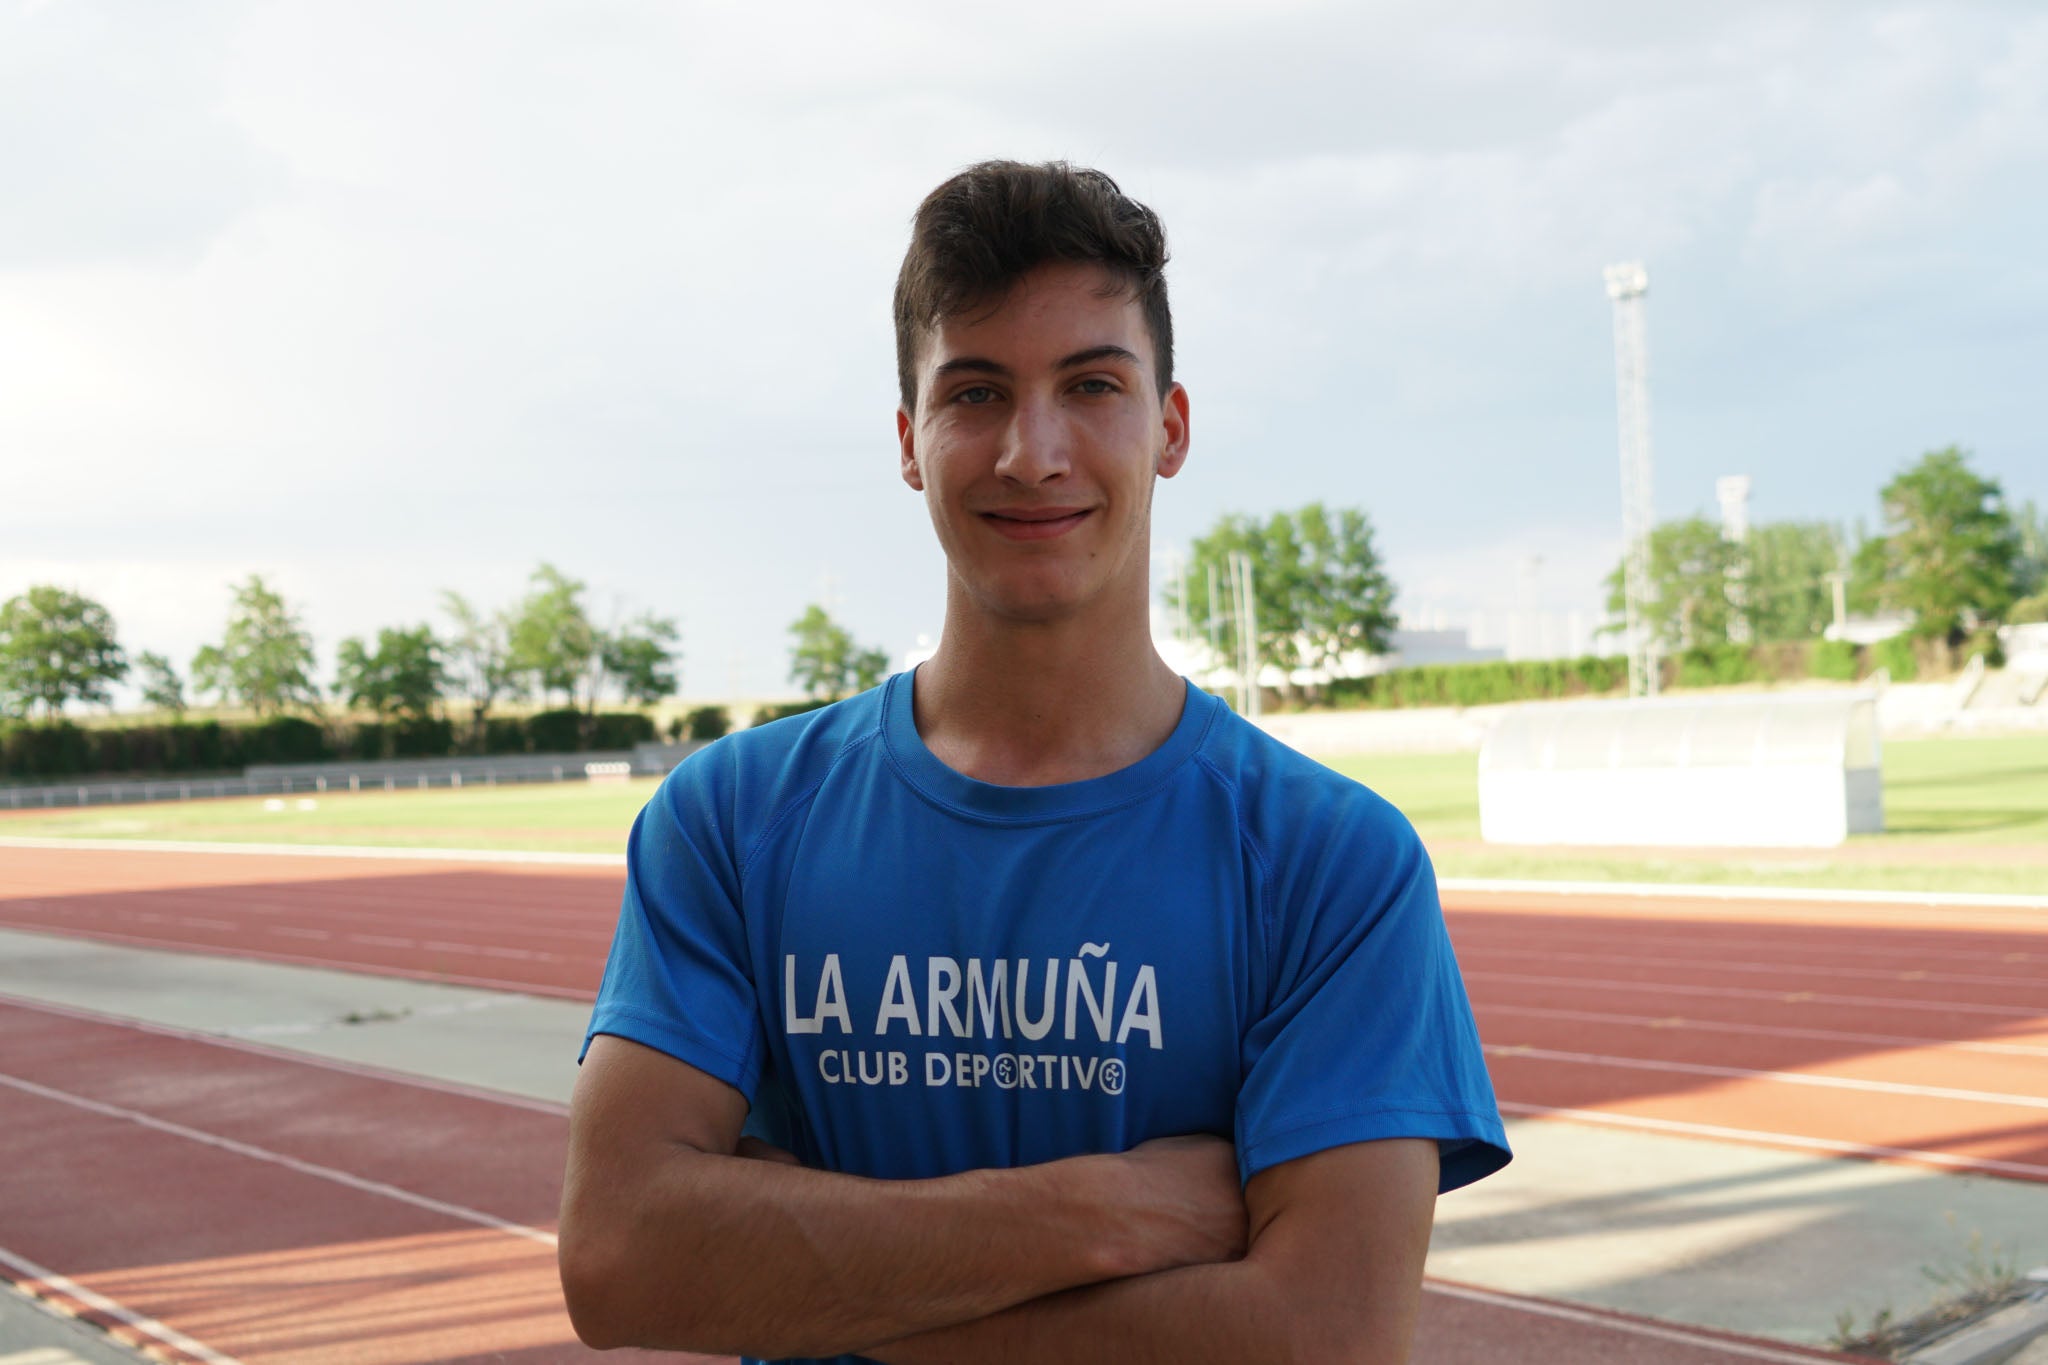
309, 779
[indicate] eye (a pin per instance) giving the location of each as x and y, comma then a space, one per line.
1094, 387
976, 394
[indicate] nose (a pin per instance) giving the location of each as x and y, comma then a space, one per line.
1035, 447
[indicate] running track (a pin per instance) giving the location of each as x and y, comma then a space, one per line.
362, 1202
216, 1201
1902, 1033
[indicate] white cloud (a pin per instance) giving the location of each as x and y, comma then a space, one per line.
414, 301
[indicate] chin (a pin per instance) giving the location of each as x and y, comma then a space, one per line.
1039, 601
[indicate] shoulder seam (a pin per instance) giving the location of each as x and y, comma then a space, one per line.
801, 799
1251, 845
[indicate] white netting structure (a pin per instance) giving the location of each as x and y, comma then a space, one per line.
1780, 771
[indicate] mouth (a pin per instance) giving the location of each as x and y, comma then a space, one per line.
1036, 523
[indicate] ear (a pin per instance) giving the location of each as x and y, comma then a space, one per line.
906, 445
1173, 429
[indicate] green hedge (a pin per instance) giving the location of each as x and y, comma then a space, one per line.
1487, 684
764, 714
30, 753
1480, 684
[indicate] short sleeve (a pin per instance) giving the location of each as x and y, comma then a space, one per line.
679, 977
1367, 1032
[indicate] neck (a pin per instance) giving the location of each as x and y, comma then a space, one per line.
1032, 703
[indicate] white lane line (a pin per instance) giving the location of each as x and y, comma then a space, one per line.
1609, 984
414, 855
295, 931
328, 964
1842, 899
328, 1173
20, 1268
380, 940
2036, 982
1642, 1123
1634, 1327
1685, 1023
278, 1054
1929, 1092
1547, 933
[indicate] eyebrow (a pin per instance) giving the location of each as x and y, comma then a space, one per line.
975, 364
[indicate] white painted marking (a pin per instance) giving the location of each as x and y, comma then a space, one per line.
327, 964
1764, 1030
2037, 982
1931, 1092
234, 1044
1794, 1140
328, 1173
1740, 1349
294, 931
1845, 898
1830, 944
412, 855
1696, 891
380, 940
1588, 983
43, 1355
48, 1279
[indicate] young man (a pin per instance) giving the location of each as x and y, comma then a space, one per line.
1078, 1020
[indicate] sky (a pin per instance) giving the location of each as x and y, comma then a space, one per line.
382, 300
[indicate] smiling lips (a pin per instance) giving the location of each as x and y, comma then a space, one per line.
1036, 523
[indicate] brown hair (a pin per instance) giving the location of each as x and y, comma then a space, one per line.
983, 230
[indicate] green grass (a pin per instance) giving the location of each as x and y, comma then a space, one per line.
1943, 798
552, 817
1943, 791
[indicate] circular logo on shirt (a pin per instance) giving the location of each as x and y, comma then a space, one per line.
1112, 1077
1006, 1071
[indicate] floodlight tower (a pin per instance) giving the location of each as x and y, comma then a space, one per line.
1733, 491
1627, 283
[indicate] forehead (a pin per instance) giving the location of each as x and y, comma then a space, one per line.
1053, 311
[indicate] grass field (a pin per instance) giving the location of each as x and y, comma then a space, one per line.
1961, 814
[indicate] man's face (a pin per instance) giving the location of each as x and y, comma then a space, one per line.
1037, 437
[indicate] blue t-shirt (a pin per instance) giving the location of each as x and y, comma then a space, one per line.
910, 973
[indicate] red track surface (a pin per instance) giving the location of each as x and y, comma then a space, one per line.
231, 1200
275, 1209
1895, 1033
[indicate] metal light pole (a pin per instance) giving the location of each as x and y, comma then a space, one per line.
1627, 283
1733, 491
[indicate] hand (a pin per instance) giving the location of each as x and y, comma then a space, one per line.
1187, 1207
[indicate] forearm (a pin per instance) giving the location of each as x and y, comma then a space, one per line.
715, 1253
1334, 1273
1227, 1314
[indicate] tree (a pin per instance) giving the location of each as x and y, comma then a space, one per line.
1787, 589
639, 657
478, 657
1690, 563
265, 658
2030, 578
57, 646
1950, 553
402, 678
161, 686
552, 641
1319, 590
826, 662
